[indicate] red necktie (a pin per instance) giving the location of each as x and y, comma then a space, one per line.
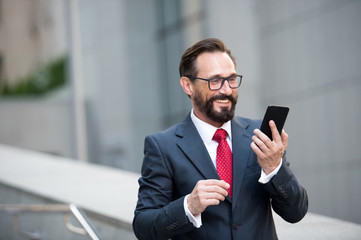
224, 158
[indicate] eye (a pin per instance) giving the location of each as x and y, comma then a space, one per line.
232, 79
216, 80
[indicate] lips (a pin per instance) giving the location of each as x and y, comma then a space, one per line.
222, 99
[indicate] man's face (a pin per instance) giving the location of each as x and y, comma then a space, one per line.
214, 107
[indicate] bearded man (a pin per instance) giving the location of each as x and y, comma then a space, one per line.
214, 175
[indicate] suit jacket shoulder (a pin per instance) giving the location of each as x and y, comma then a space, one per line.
246, 123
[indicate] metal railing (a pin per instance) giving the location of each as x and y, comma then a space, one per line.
16, 211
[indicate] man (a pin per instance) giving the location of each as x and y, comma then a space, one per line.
215, 176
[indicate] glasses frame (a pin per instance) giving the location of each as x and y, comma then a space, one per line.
223, 80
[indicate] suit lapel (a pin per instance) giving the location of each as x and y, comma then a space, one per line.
241, 140
193, 147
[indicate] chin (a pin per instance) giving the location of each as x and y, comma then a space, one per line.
222, 110
223, 115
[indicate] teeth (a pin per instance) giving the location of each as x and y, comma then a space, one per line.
223, 101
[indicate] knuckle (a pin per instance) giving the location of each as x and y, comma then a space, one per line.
200, 182
202, 202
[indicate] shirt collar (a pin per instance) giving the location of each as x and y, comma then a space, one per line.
207, 131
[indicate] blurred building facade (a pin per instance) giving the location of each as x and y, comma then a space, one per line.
303, 54
31, 34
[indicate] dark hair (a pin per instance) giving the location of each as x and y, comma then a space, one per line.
187, 65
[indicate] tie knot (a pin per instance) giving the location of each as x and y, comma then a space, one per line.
220, 134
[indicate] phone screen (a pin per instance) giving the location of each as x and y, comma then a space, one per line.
276, 113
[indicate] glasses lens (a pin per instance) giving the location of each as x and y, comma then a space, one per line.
215, 83
235, 82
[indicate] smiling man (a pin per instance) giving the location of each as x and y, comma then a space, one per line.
216, 103
214, 175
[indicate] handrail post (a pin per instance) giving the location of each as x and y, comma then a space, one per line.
83, 221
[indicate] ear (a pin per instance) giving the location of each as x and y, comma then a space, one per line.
186, 85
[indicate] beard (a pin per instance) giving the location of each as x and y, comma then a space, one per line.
206, 107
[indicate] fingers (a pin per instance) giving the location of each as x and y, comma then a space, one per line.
207, 193
213, 188
262, 140
275, 134
269, 153
256, 148
284, 137
261, 143
215, 182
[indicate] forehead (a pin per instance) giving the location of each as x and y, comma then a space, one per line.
211, 64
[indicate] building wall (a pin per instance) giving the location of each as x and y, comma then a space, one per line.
311, 56
32, 32
120, 65
40, 124
131, 52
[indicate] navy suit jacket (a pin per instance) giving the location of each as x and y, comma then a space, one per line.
176, 159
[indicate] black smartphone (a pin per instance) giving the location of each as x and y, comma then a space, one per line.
276, 113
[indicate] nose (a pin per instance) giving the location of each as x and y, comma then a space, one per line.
225, 89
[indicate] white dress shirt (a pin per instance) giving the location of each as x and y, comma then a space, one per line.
206, 131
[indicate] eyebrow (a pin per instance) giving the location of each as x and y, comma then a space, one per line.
218, 75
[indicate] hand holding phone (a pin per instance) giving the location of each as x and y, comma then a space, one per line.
276, 113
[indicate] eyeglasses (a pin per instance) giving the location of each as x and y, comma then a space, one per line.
217, 82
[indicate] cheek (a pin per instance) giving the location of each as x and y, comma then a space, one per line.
209, 96
203, 94
235, 93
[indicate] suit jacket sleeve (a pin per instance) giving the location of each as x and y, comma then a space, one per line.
289, 198
157, 215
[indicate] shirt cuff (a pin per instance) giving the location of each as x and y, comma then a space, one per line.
195, 220
266, 178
